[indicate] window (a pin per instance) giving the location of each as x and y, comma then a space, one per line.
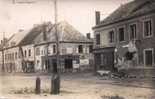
13, 56
54, 48
64, 50
121, 34
133, 31
16, 55
25, 53
29, 52
90, 48
8, 56
37, 51
148, 57
104, 60
97, 39
80, 49
42, 52
111, 36
147, 28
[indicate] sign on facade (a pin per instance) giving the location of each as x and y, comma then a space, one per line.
75, 65
84, 61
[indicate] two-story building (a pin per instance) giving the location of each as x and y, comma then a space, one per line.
126, 39
75, 49
19, 51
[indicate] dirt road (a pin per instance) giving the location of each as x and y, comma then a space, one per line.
75, 86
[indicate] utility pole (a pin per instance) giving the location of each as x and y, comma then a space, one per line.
55, 81
56, 35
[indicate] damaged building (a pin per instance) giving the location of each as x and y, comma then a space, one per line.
35, 49
75, 49
125, 40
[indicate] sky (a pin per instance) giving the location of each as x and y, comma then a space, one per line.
79, 13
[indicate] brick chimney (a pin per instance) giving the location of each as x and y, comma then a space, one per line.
88, 36
97, 15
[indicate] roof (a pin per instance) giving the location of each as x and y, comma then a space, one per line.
33, 33
67, 33
25, 37
129, 10
15, 39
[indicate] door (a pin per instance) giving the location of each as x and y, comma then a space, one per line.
148, 57
54, 64
68, 63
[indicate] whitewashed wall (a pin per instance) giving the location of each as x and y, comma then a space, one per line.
16, 61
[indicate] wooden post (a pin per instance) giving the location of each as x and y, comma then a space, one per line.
38, 87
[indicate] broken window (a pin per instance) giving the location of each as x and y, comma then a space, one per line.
147, 28
111, 36
133, 31
129, 55
121, 34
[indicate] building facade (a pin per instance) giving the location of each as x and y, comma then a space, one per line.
73, 48
19, 51
125, 39
35, 49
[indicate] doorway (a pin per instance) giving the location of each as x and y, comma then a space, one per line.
68, 63
148, 57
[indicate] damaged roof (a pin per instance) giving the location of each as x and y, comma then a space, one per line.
15, 39
129, 10
33, 33
25, 37
39, 33
67, 33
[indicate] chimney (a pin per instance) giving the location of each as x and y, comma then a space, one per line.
97, 15
20, 30
88, 36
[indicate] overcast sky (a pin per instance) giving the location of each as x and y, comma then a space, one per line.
79, 13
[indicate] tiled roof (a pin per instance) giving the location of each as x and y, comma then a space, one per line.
33, 33
15, 39
67, 33
131, 9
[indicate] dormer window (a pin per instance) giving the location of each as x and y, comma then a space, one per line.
13, 43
